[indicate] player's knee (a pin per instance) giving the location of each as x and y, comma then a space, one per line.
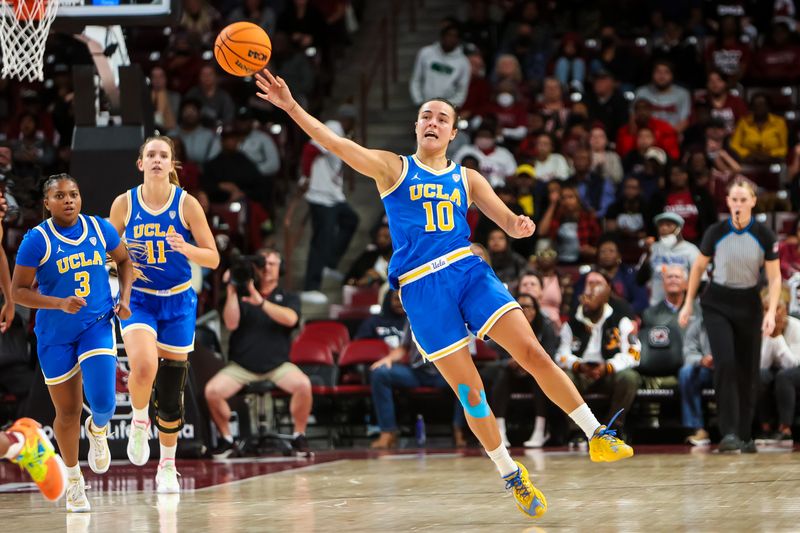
145, 369
473, 400
168, 394
103, 406
534, 356
69, 416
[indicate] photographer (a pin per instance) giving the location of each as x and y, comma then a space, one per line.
261, 323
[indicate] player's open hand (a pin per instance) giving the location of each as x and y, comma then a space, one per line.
6, 316
274, 90
122, 310
177, 242
72, 304
523, 227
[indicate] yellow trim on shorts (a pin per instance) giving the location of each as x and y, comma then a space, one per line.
138, 325
424, 270
495, 317
177, 289
63, 377
176, 349
400, 180
444, 352
99, 351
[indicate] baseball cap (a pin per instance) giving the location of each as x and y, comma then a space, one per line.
656, 153
527, 170
669, 217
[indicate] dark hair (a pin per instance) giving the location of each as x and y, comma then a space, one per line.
267, 251
664, 62
50, 182
449, 26
538, 320
456, 118
608, 237
530, 272
767, 98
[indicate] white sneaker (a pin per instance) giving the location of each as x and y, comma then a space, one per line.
76, 496
536, 442
333, 274
313, 297
167, 479
501, 427
99, 455
138, 443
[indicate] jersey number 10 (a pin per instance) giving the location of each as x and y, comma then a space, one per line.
152, 257
443, 216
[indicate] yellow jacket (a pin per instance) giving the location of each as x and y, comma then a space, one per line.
771, 138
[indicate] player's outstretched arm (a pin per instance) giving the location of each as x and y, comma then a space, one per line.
517, 226
384, 167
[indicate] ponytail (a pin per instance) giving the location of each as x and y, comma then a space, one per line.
173, 174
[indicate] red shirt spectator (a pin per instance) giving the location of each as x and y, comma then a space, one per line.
666, 137
777, 60
479, 91
728, 53
722, 104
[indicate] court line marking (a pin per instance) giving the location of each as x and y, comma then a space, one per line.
288, 470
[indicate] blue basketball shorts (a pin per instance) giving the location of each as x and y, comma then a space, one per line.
171, 319
60, 362
443, 305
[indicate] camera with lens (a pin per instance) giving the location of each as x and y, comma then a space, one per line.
244, 269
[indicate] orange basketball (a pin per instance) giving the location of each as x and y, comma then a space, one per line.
242, 49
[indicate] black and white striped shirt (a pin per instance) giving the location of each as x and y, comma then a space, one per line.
738, 255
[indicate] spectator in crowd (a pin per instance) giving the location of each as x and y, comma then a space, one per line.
570, 67
32, 153
289, 62
507, 69
728, 53
261, 324
183, 62
669, 249
671, 103
231, 175
262, 151
552, 107
333, 220
614, 59
507, 372
370, 269
595, 190
30, 103
549, 164
599, 349
188, 171
651, 172
696, 374
388, 325
405, 367
550, 296
633, 162
715, 151
200, 142
496, 162
780, 357
570, 226
216, 105
789, 252
485, 224
681, 51
605, 162
165, 102
665, 312
506, 263
510, 112
23, 194
199, 19
16, 371
694, 205
629, 217
257, 12
479, 30
776, 62
479, 91
305, 25
665, 136
441, 70
524, 188
761, 137
528, 40
606, 103
723, 105
622, 278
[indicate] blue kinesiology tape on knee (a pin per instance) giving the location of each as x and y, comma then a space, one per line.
475, 411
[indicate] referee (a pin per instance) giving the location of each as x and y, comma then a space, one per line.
732, 310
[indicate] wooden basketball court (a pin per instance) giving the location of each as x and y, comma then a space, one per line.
660, 489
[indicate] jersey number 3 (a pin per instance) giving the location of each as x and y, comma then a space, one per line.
443, 216
82, 278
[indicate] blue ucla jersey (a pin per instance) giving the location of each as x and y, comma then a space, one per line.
160, 270
72, 267
427, 213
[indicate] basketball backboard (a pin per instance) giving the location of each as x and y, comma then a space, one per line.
77, 13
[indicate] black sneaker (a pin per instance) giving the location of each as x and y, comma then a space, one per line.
300, 444
225, 449
730, 444
749, 447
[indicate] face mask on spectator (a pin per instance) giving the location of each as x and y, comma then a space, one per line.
484, 143
505, 99
669, 240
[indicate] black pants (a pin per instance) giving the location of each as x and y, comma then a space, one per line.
332, 229
503, 379
786, 384
732, 318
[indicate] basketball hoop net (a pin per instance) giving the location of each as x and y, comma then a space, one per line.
24, 27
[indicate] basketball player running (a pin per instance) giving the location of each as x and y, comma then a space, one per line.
157, 219
66, 255
444, 286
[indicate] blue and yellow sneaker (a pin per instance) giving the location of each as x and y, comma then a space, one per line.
605, 447
530, 500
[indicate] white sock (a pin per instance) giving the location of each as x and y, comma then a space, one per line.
502, 460
538, 428
228, 438
74, 472
296, 434
585, 419
167, 453
141, 415
15, 447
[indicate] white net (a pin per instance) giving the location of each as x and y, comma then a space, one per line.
24, 26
